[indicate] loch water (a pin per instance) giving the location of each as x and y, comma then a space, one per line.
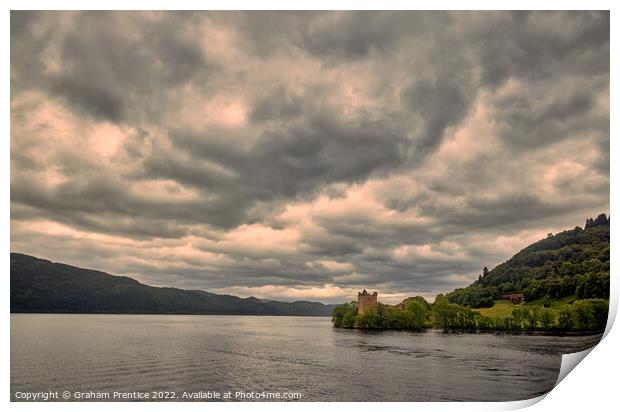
179, 354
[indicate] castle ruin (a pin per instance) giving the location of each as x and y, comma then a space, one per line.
366, 302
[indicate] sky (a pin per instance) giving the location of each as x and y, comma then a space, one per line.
305, 155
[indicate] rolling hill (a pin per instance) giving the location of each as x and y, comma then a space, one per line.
570, 264
41, 286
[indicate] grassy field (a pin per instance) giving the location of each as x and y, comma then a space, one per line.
501, 309
554, 304
504, 308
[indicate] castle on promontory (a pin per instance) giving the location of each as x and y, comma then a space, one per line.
366, 302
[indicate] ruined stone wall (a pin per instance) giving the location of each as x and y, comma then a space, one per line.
366, 302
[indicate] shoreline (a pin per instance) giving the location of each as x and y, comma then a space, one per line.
169, 314
494, 332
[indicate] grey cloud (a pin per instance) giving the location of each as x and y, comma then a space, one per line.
111, 62
94, 99
329, 102
545, 115
279, 105
332, 245
542, 45
335, 37
442, 101
356, 35
286, 163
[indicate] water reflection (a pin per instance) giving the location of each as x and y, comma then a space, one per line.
222, 353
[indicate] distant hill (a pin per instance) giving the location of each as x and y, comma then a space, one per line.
573, 262
41, 286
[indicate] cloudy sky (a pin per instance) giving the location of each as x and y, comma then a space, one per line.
304, 155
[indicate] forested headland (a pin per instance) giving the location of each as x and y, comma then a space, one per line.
564, 279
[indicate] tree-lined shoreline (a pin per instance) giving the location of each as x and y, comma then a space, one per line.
563, 278
586, 315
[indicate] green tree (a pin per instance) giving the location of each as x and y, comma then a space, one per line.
418, 313
518, 318
368, 320
485, 323
534, 317
546, 319
565, 321
583, 318
343, 316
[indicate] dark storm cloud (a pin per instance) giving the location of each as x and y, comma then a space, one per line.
271, 152
356, 35
285, 162
441, 101
109, 62
542, 44
26, 48
544, 115
561, 60
297, 159
337, 36
278, 104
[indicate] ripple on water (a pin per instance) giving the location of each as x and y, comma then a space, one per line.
193, 353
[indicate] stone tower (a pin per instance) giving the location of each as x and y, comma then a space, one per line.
366, 302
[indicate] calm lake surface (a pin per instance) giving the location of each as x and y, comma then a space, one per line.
128, 353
